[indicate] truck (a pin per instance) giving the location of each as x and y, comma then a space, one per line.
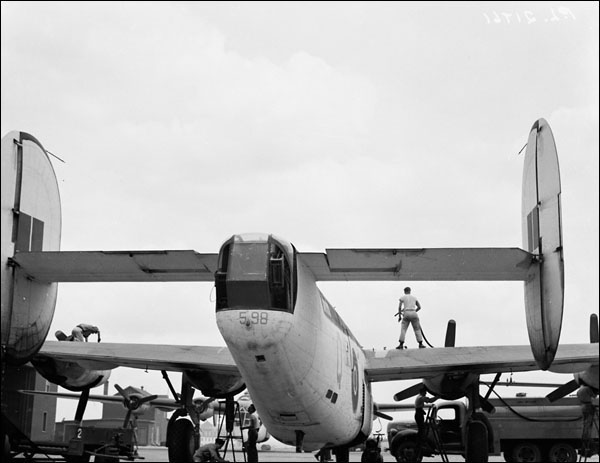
104, 444
523, 429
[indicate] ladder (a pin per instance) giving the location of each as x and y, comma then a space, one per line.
232, 409
431, 426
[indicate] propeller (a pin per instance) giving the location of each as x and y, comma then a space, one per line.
408, 392
414, 390
594, 329
133, 402
573, 385
380, 414
450, 334
563, 391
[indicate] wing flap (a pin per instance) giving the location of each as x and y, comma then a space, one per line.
113, 266
432, 264
422, 363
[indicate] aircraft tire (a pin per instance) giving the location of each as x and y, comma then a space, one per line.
182, 443
342, 454
477, 442
407, 452
562, 452
526, 451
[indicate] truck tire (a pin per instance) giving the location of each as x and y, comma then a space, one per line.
477, 442
562, 452
408, 452
182, 444
508, 456
526, 451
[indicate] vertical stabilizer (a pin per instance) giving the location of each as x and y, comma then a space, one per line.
542, 235
31, 221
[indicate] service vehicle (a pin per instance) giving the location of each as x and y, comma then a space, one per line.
523, 429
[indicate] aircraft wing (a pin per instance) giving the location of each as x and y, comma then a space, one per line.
391, 365
106, 356
427, 264
94, 266
160, 402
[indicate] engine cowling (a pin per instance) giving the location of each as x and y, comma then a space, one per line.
450, 386
69, 375
588, 377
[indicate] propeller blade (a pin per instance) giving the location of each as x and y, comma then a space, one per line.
121, 391
408, 392
127, 416
383, 415
149, 398
450, 334
594, 329
562, 391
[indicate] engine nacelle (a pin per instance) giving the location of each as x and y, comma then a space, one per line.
588, 377
451, 386
215, 385
69, 375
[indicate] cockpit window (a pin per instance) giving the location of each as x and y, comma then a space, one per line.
248, 261
256, 274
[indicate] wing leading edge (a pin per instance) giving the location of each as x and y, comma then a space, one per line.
391, 365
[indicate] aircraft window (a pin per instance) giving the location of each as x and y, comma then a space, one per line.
221, 278
280, 285
248, 261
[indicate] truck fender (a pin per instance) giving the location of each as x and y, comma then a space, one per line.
402, 436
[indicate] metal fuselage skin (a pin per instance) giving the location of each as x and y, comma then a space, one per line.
302, 366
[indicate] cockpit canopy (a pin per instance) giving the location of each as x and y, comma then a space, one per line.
256, 271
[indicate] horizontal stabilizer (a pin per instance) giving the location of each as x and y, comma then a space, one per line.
105, 266
433, 264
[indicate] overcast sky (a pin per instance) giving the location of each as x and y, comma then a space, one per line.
330, 124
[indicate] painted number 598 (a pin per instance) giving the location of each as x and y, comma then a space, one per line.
255, 318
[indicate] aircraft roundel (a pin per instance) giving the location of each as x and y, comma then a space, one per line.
354, 381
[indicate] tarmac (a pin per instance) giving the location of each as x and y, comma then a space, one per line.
159, 454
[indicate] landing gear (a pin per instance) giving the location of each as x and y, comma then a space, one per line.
183, 430
299, 441
180, 439
342, 454
477, 442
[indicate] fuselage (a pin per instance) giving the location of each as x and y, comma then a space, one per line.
302, 366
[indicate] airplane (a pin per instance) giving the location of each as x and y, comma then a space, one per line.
308, 375
138, 401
